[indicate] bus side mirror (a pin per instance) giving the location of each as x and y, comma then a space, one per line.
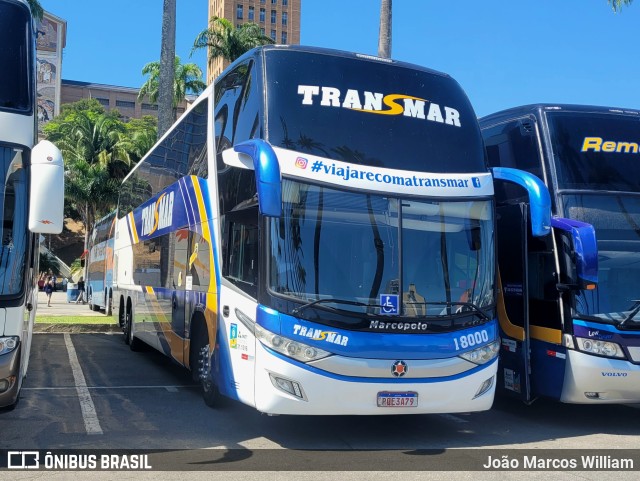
46, 195
539, 198
585, 252
258, 155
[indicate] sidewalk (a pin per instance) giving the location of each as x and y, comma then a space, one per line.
61, 308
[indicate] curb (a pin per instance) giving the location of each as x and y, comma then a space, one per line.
76, 328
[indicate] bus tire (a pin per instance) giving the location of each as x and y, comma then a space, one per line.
135, 344
199, 362
108, 310
90, 301
121, 314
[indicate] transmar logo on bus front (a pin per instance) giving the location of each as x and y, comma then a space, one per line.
372, 102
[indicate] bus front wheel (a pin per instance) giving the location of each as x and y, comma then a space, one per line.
200, 362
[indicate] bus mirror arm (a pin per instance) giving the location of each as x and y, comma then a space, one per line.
268, 177
585, 248
539, 198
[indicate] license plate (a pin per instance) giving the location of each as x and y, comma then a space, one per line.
388, 399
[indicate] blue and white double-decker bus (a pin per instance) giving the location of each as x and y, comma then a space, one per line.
316, 236
31, 195
570, 314
99, 260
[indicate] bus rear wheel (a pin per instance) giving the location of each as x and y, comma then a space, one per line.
108, 310
135, 344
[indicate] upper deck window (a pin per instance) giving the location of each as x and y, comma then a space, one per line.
371, 113
15, 58
596, 151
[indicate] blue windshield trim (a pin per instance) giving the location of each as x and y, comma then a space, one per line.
539, 198
584, 246
268, 177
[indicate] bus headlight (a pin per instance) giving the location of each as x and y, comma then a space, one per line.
8, 344
484, 354
600, 348
288, 347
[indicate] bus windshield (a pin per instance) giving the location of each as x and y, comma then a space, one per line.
15, 58
596, 151
14, 221
616, 219
368, 112
353, 248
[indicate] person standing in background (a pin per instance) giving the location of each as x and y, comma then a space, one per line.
80, 290
48, 290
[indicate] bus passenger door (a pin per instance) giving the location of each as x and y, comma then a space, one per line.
513, 310
173, 335
238, 304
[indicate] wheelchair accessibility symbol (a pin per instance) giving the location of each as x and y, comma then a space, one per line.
389, 304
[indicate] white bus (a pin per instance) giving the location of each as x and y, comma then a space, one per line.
32, 195
316, 236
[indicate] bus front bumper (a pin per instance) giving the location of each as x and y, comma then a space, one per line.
9, 375
326, 394
599, 380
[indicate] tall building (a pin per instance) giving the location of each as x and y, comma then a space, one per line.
51, 35
278, 19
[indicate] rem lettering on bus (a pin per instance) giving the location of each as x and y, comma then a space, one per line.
598, 144
382, 179
378, 103
159, 215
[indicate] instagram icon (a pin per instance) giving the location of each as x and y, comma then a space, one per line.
301, 163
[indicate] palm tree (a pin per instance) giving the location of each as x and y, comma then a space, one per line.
187, 78
384, 37
36, 9
141, 136
96, 158
618, 4
228, 42
166, 70
91, 189
95, 138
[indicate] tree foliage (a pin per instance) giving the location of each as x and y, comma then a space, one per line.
228, 42
48, 263
36, 9
98, 151
617, 5
187, 79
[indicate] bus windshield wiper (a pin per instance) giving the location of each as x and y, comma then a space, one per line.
473, 307
635, 308
301, 308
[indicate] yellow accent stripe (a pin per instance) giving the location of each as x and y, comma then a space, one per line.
511, 330
516, 332
547, 334
211, 310
206, 234
132, 226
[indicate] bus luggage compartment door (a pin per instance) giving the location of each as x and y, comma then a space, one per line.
513, 309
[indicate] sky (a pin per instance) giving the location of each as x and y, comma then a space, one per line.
503, 53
